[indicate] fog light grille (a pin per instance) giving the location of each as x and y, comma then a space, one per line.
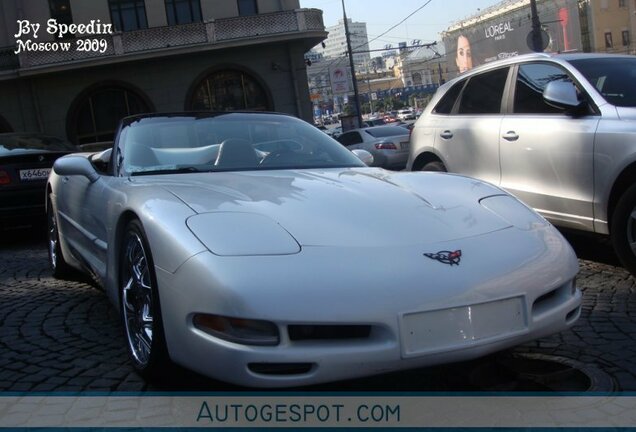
327, 332
280, 368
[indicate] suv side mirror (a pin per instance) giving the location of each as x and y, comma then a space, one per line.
562, 95
364, 156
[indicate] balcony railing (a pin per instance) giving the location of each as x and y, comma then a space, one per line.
160, 38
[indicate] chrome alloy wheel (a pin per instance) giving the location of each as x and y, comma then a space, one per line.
631, 230
53, 236
137, 301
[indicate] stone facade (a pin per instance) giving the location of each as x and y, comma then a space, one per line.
160, 65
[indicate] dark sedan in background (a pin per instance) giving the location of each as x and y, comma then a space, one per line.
25, 162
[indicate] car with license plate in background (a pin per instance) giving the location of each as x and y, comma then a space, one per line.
253, 248
557, 131
25, 162
389, 145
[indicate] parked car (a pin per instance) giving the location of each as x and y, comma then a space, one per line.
25, 162
406, 114
269, 267
389, 118
562, 138
389, 145
374, 122
334, 132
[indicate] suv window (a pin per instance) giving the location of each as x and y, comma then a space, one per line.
483, 93
531, 81
446, 104
612, 77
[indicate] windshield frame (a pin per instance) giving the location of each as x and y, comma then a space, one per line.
246, 119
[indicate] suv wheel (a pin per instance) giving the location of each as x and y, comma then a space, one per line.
623, 229
434, 166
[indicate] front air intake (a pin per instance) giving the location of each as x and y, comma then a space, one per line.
328, 332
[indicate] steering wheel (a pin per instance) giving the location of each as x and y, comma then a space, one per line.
274, 155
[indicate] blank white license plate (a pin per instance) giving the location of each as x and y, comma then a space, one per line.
447, 329
34, 174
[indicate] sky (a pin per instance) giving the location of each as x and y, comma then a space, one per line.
380, 15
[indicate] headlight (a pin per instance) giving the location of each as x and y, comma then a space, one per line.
242, 234
513, 211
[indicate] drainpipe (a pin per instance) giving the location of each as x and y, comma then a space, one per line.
36, 106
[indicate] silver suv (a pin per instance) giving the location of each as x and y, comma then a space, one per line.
558, 131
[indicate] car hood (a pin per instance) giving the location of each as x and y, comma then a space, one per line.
347, 207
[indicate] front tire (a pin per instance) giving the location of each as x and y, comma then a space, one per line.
59, 267
140, 306
623, 229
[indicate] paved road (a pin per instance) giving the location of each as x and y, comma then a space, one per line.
65, 336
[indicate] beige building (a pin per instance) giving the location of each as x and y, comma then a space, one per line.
149, 56
424, 67
612, 25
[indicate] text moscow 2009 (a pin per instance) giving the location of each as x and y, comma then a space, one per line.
31, 30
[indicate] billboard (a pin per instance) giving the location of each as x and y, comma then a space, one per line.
339, 79
507, 34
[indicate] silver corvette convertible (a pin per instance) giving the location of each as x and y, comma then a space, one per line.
255, 249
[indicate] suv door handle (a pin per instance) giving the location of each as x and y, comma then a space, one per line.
511, 136
446, 134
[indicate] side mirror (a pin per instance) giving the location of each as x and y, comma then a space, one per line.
364, 156
562, 94
75, 165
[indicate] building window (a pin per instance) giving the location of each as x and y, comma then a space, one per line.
61, 11
128, 15
608, 40
183, 11
417, 78
621, 3
229, 90
625, 37
247, 7
4, 126
97, 114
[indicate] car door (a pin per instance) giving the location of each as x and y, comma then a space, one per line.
82, 212
468, 139
546, 153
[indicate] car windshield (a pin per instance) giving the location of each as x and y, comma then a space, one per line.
32, 143
612, 77
226, 142
386, 131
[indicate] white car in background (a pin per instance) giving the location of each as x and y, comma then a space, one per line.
406, 114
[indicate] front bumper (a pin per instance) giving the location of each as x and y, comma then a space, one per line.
348, 286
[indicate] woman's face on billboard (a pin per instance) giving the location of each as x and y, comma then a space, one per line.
464, 59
